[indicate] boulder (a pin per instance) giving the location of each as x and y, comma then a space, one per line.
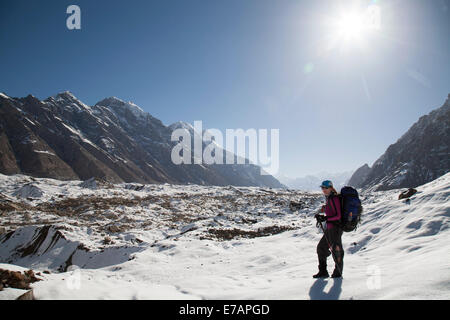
294, 205
27, 296
28, 191
407, 194
17, 279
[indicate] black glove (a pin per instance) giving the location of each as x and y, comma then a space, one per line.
320, 218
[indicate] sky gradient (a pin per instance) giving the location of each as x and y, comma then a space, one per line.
259, 64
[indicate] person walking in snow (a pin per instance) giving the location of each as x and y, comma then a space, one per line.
332, 233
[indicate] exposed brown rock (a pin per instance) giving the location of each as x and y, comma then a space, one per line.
29, 295
8, 164
407, 194
17, 279
229, 234
108, 240
296, 205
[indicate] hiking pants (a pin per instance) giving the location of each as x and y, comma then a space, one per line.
334, 236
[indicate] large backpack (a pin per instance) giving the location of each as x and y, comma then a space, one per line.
351, 209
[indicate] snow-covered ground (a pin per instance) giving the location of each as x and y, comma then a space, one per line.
132, 241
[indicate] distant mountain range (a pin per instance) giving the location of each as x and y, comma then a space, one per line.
312, 182
421, 155
63, 138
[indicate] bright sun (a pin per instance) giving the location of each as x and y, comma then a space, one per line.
351, 26
354, 27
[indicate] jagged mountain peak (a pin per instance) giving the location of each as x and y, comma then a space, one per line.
181, 125
3, 95
65, 94
118, 104
110, 101
359, 176
67, 99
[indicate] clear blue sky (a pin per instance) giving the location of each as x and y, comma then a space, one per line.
243, 64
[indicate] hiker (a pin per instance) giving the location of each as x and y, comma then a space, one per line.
332, 232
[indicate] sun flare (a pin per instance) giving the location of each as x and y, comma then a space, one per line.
352, 27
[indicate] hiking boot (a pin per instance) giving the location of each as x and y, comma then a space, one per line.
323, 273
336, 274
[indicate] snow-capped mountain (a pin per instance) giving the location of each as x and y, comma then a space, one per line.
63, 138
421, 155
312, 182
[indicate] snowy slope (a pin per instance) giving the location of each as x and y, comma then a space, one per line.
194, 242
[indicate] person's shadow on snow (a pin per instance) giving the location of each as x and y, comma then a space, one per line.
316, 292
